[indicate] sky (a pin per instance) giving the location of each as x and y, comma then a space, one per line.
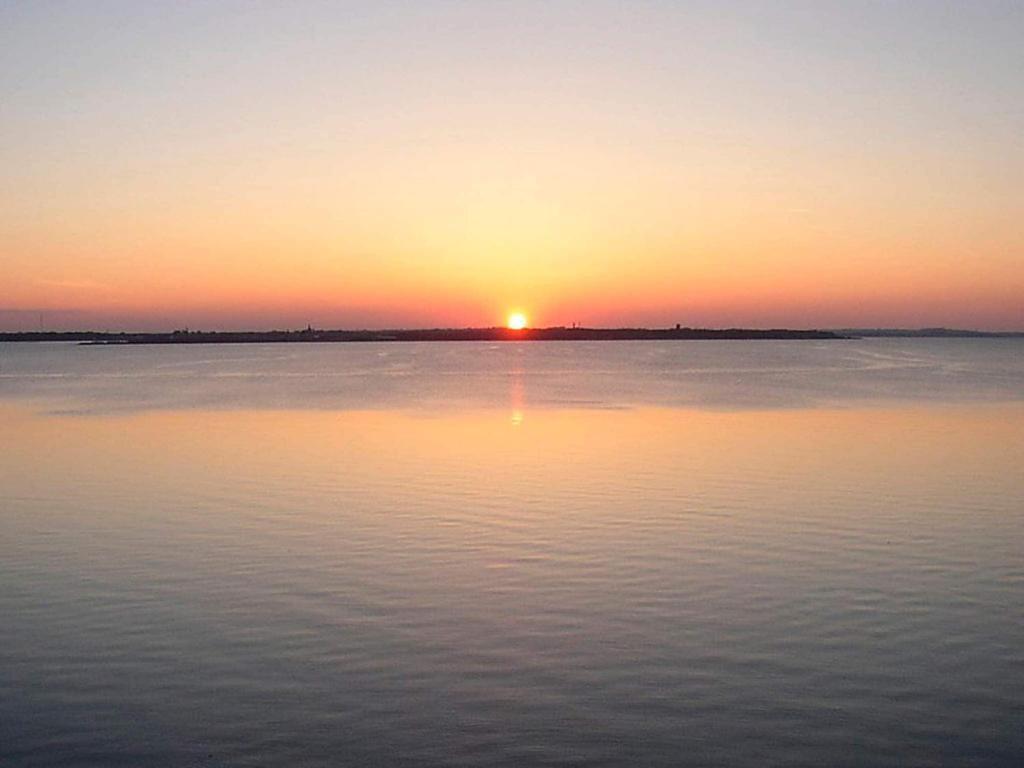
259, 165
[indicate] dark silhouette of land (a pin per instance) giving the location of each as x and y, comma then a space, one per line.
429, 334
559, 333
927, 333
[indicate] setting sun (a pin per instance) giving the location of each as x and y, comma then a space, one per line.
517, 321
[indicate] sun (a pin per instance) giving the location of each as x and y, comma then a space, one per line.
517, 321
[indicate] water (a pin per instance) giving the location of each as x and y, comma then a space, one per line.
706, 553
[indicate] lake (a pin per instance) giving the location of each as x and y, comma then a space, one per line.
470, 554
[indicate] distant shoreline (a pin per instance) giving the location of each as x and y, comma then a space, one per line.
430, 334
491, 334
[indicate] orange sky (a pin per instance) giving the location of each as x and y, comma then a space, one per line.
441, 164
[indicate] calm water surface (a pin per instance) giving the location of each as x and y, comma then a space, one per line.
647, 554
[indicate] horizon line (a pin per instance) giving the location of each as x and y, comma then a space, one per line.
186, 330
